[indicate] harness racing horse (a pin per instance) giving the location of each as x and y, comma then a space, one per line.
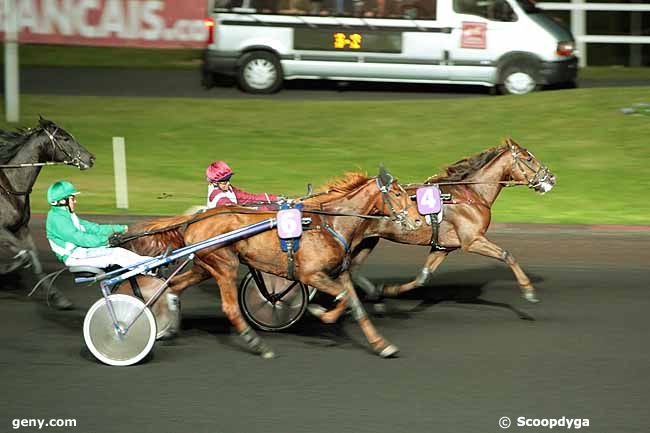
474, 184
22, 155
339, 217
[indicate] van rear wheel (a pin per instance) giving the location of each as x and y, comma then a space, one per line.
518, 80
260, 72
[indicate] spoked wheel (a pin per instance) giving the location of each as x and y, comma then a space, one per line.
111, 347
277, 305
168, 317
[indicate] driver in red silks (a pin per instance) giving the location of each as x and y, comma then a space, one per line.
220, 192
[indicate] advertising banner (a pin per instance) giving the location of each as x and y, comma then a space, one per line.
118, 23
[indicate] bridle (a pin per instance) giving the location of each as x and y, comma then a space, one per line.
400, 217
71, 159
540, 176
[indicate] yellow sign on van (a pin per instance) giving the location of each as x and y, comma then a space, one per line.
352, 41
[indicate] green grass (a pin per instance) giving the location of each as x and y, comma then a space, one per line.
601, 157
106, 57
111, 57
614, 73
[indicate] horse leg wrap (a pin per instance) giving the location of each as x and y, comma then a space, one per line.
173, 302
250, 337
372, 292
256, 344
422, 279
357, 309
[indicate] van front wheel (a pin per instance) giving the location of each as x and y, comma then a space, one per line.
260, 72
518, 80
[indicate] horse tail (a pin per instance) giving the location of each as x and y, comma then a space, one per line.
166, 233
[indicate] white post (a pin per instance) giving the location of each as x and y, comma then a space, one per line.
12, 101
636, 28
119, 167
579, 29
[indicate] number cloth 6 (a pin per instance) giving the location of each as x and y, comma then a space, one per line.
289, 223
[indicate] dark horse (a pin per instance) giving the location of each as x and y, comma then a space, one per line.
474, 184
22, 155
339, 219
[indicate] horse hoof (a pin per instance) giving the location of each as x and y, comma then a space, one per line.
316, 310
389, 351
264, 350
59, 301
530, 297
167, 335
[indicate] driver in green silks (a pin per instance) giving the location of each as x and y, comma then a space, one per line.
77, 242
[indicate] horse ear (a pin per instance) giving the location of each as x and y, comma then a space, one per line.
384, 176
41, 120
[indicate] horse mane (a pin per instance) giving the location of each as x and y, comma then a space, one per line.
167, 234
338, 187
12, 141
467, 166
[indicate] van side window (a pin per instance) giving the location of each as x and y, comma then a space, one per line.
494, 10
409, 9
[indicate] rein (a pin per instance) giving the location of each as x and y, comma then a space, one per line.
130, 237
504, 182
37, 164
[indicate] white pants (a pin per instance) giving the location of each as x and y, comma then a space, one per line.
103, 257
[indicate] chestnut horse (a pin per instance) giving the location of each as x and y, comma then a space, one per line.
474, 184
339, 218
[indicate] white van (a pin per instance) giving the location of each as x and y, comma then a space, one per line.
506, 43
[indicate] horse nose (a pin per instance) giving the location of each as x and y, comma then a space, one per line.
92, 160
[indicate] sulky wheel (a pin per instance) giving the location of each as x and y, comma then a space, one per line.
282, 305
106, 343
166, 309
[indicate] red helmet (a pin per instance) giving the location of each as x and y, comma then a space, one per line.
218, 171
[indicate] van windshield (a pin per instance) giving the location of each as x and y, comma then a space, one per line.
529, 6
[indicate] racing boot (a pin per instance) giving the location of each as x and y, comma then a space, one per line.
58, 300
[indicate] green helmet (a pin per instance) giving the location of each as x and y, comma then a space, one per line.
60, 190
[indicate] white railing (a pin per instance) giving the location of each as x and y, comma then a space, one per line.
578, 10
